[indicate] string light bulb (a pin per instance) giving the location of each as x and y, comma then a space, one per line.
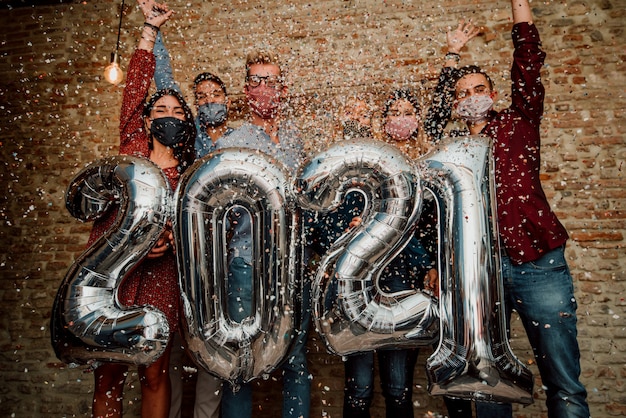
113, 73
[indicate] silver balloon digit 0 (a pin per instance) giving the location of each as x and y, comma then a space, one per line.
473, 359
253, 186
88, 324
362, 316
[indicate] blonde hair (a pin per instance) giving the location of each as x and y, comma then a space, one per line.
262, 56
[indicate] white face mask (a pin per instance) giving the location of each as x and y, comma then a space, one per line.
475, 108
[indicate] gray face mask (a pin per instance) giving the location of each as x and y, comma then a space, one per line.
212, 114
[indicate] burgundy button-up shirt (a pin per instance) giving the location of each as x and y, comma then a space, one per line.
528, 228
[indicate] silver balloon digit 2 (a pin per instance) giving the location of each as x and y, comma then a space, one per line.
362, 316
88, 324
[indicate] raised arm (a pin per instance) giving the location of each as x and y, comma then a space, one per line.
527, 93
457, 39
163, 74
440, 110
140, 72
521, 11
163, 77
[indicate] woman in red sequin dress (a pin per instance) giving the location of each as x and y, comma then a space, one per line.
163, 131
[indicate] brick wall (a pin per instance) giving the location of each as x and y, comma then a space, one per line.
57, 114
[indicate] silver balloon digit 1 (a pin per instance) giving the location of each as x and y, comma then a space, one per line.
88, 324
362, 316
473, 359
253, 184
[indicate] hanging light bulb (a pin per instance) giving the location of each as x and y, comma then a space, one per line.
113, 73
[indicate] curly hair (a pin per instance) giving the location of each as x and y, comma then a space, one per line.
401, 94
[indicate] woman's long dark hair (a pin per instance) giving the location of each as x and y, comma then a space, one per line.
185, 154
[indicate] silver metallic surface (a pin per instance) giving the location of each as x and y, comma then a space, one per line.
473, 359
88, 324
361, 316
237, 351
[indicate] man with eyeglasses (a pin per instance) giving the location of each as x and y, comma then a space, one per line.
267, 130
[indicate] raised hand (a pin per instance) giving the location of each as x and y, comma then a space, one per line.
155, 13
460, 36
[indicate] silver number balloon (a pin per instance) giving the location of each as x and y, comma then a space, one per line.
473, 359
88, 324
253, 182
363, 317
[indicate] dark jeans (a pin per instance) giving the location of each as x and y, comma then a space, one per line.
396, 369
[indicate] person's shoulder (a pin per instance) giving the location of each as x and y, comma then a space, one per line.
240, 130
289, 125
247, 135
246, 129
290, 132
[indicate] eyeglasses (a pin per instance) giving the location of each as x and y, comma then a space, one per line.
273, 81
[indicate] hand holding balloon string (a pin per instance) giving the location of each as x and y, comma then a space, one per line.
431, 282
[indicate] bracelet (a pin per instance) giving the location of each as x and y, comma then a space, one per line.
453, 56
151, 26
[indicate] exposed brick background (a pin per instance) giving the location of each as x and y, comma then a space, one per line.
57, 114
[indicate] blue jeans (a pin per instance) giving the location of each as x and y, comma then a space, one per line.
296, 376
396, 369
542, 293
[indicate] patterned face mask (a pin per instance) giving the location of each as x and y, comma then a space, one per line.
264, 101
401, 128
212, 114
475, 108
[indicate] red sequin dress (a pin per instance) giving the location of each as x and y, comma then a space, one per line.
155, 281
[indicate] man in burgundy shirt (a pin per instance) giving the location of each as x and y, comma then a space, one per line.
537, 281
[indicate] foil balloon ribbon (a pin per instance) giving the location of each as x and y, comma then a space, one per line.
252, 183
88, 324
473, 359
351, 311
